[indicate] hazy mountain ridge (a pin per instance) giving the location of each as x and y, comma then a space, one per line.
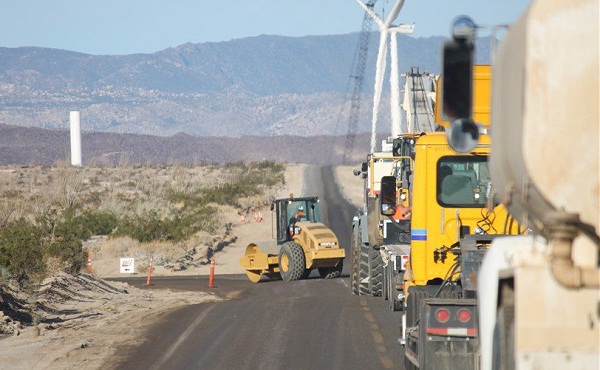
265, 86
36, 146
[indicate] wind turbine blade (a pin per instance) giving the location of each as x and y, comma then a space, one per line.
371, 13
394, 13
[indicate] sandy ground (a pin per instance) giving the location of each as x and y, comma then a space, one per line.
92, 317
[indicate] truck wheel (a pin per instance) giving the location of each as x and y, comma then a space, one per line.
363, 282
412, 305
354, 259
391, 286
375, 272
385, 290
291, 261
332, 272
409, 365
504, 339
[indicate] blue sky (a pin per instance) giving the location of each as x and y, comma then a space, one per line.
146, 26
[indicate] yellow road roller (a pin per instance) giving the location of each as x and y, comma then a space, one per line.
303, 244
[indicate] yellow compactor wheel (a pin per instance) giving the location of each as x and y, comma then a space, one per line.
257, 264
284, 263
253, 275
253, 251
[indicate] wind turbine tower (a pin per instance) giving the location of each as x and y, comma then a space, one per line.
387, 29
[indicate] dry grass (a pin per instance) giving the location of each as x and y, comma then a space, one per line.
126, 191
130, 190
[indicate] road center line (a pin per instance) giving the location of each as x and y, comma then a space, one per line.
377, 336
159, 364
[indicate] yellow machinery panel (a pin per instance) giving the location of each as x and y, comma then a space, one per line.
482, 87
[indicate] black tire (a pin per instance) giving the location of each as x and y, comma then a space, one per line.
354, 263
385, 291
504, 339
375, 272
292, 264
415, 295
413, 302
390, 285
363, 282
332, 272
409, 365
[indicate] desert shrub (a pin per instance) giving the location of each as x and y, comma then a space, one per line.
93, 222
184, 226
149, 226
145, 227
253, 180
68, 251
189, 200
25, 246
230, 193
267, 173
22, 250
78, 225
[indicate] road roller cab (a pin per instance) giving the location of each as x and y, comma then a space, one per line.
304, 244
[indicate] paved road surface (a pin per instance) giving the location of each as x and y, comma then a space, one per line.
308, 324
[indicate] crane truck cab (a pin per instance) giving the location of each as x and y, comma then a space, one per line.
369, 229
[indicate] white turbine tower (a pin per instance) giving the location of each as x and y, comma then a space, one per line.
395, 77
385, 29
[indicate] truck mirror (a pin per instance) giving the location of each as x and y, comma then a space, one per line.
463, 135
464, 29
364, 167
397, 147
388, 195
457, 80
356, 172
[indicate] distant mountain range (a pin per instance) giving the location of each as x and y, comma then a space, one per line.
259, 86
38, 146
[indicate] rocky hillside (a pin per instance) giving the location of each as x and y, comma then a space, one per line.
263, 86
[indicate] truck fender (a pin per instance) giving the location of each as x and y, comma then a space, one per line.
497, 263
364, 229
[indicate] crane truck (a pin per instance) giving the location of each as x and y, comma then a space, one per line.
451, 223
539, 298
429, 219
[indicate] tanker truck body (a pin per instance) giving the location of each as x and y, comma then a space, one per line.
539, 299
538, 295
